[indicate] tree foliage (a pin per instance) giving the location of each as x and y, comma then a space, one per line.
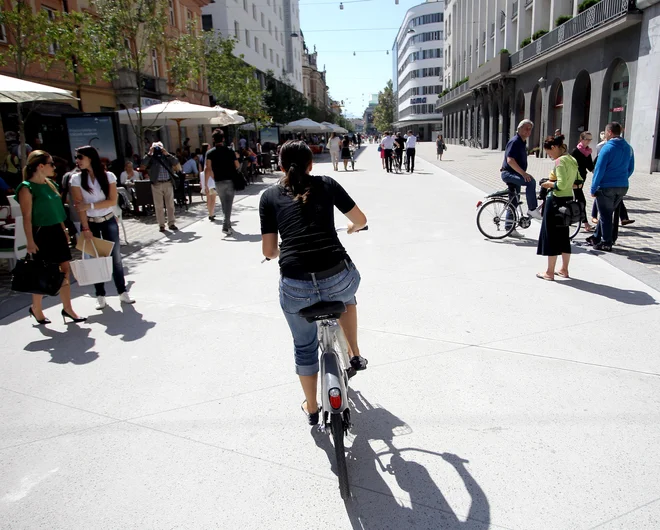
232, 82
283, 102
384, 111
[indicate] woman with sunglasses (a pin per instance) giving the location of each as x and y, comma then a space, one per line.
43, 222
95, 196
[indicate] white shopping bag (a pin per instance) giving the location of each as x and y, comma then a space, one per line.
89, 271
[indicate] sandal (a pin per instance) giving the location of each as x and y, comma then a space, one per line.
563, 275
359, 363
544, 276
313, 418
588, 228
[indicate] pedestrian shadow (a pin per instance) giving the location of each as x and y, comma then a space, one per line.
237, 237
373, 505
182, 237
127, 324
74, 346
625, 296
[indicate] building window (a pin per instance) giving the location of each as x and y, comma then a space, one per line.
256, 44
237, 30
3, 33
154, 63
254, 11
247, 38
52, 48
172, 19
263, 21
207, 22
245, 5
270, 27
271, 55
619, 94
281, 13
264, 49
277, 35
278, 59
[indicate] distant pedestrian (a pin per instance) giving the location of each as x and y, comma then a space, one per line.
439, 147
555, 240
222, 165
359, 140
334, 146
582, 154
615, 165
346, 151
160, 164
411, 143
94, 192
387, 143
43, 222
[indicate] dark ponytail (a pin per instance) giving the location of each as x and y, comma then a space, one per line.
295, 158
551, 141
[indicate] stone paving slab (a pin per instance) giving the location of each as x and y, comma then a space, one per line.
638, 243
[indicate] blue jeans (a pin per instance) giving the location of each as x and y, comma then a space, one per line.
299, 294
109, 230
518, 181
608, 199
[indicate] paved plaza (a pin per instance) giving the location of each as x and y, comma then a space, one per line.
492, 399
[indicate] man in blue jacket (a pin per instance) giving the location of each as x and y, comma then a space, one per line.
616, 162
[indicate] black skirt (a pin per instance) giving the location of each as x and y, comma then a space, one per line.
52, 243
345, 153
553, 240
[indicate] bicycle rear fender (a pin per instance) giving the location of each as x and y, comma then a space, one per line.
332, 377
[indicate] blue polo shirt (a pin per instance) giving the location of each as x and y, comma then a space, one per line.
517, 150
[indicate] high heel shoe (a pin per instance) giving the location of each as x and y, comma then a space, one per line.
40, 322
66, 315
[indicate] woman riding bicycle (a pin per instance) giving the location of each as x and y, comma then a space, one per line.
314, 266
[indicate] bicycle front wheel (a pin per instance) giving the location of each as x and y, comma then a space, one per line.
337, 428
496, 218
574, 229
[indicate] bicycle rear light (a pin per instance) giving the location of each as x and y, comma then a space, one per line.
479, 203
335, 398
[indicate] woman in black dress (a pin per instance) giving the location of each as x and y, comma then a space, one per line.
346, 151
553, 239
582, 154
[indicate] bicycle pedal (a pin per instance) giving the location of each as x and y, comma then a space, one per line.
351, 372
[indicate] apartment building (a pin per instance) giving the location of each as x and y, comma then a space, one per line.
315, 86
267, 34
565, 65
418, 60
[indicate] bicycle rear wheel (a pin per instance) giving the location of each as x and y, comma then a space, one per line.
337, 428
496, 218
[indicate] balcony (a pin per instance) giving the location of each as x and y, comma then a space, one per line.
459, 92
502, 19
604, 13
514, 10
492, 30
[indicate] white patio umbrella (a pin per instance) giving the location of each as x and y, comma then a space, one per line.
14, 90
335, 128
173, 111
307, 125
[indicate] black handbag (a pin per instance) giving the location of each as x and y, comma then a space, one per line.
570, 213
239, 181
35, 276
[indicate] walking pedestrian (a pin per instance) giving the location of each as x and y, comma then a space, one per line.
388, 146
439, 147
554, 240
615, 164
222, 165
43, 222
160, 166
411, 142
399, 145
94, 192
346, 151
582, 154
334, 145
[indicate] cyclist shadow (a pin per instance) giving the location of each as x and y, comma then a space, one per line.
373, 504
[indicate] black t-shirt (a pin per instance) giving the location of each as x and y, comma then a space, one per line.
399, 143
222, 162
309, 238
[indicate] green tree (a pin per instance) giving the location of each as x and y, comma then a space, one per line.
232, 82
133, 28
283, 102
384, 111
29, 44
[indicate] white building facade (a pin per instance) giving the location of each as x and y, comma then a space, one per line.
565, 64
267, 34
418, 58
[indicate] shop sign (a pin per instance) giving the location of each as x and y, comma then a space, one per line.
415, 101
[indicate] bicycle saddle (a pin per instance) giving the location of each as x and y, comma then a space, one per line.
323, 310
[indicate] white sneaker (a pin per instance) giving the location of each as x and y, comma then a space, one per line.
100, 302
535, 214
516, 234
124, 298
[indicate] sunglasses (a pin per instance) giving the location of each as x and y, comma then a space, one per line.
80, 157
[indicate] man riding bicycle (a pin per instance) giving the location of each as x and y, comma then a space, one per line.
314, 266
514, 168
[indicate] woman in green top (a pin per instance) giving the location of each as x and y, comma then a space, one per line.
43, 221
555, 240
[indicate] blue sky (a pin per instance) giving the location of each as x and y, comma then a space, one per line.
366, 27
